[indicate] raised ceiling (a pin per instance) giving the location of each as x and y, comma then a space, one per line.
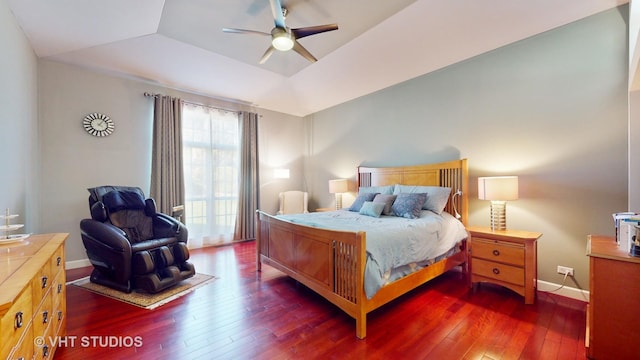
180, 43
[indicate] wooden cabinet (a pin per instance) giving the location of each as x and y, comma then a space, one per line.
613, 314
505, 257
32, 297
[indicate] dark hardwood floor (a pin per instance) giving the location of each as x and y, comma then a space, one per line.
265, 315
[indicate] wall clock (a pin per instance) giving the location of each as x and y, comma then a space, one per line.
98, 124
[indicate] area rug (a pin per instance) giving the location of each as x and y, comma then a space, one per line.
146, 300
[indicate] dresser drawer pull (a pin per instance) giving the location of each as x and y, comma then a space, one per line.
45, 351
18, 320
59, 315
59, 288
496, 252
496, 271
44, 281
45, 317
58, 261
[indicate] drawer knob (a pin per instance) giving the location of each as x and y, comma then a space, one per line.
496, 252
45, 351
18, 320
44, 281
59, 315
58, 261
496, 271
45, 317
59, 288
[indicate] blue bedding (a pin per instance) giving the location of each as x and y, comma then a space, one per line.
395, 245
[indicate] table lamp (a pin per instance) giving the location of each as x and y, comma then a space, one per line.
338, 187
498, 189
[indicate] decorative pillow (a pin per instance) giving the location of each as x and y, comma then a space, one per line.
408, 205
437, 196
357, 203
376, 189
387, 200
371, 208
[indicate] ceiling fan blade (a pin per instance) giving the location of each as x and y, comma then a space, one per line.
304, 52
276, 10
299, 33
243, 31
267, 54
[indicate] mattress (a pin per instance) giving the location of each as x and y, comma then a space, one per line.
396, 246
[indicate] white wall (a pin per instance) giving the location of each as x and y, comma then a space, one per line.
18, 123
551, 109
73, 160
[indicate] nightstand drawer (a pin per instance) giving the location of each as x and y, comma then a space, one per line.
501, 272
498, 251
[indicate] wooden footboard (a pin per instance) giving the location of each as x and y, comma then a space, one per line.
332, 263
329, 262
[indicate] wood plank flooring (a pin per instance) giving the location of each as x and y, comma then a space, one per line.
247, 314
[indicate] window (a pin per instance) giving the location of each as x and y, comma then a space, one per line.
211, 145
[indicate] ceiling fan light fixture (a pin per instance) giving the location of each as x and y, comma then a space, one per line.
282, 40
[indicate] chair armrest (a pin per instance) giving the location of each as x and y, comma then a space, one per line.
166, 226
106, 234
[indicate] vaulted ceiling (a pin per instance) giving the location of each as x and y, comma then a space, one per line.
180, 43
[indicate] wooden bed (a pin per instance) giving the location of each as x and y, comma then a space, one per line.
332, 263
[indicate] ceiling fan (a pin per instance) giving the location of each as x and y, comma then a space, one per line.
284, 38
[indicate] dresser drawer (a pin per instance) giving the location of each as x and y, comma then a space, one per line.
503, 252
497, 271
42, 316
23, 349
41, 284
16, 320
58, 294
57, 261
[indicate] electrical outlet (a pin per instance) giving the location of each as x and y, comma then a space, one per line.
564, 270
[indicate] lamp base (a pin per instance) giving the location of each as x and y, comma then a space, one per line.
338, 201
498, 215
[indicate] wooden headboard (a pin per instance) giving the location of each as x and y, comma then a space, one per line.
453, 174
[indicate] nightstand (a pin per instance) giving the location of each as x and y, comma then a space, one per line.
504, 257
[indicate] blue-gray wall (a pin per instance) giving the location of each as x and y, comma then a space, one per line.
18, 123
551, 109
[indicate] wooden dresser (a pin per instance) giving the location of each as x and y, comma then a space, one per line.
505, 257
32, 297
613, 314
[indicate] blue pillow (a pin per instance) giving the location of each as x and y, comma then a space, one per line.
371, 208
387, 200
409, 205
357, 203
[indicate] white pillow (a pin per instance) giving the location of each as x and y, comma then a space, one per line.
387, 190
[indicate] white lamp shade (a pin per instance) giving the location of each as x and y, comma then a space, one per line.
338, 186
498, 188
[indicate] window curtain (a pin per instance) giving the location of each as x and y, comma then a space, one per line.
167, 178
249, 196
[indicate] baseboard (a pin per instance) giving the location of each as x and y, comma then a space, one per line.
566, 291
77, 264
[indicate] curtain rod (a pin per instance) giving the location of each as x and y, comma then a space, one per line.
155, 96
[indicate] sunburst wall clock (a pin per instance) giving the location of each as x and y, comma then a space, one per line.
98, 124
